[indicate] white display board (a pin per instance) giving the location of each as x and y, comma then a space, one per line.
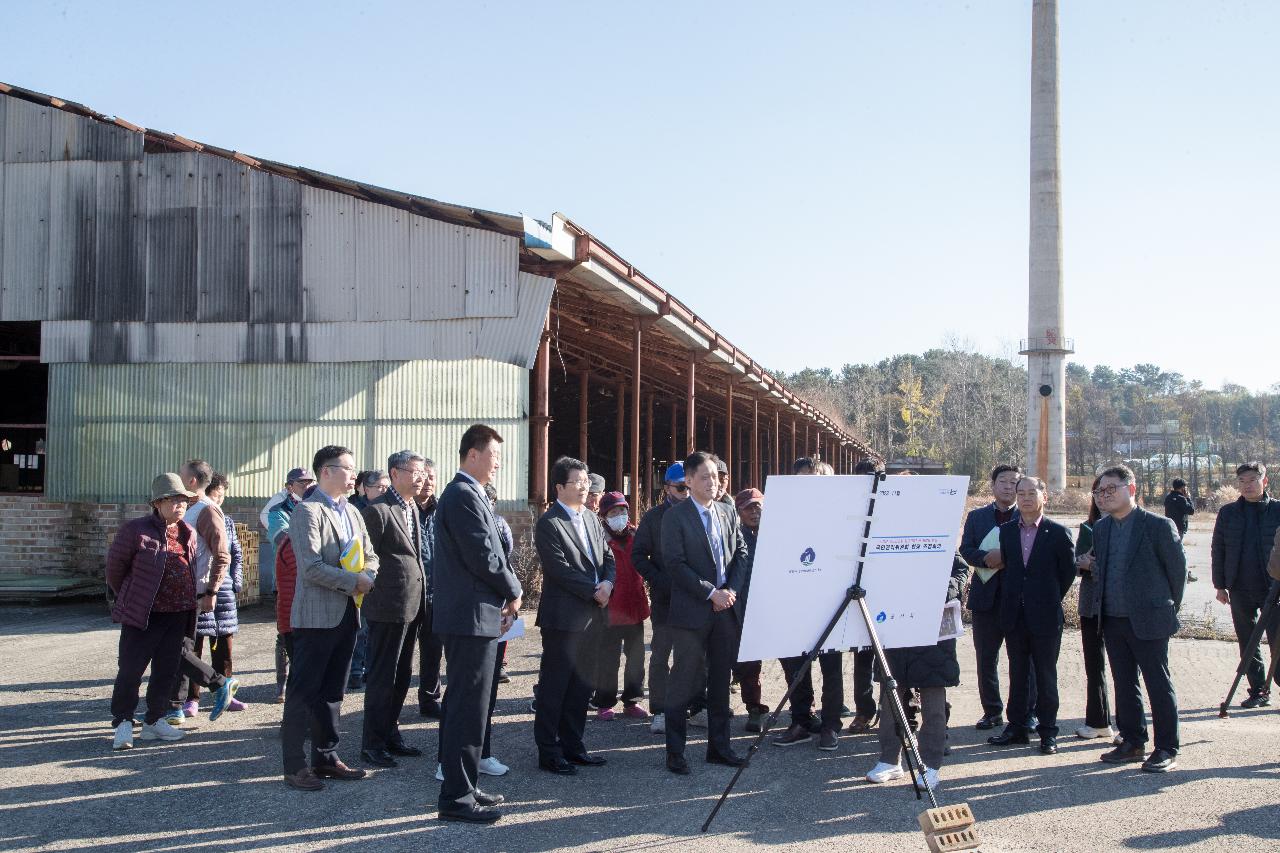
810, 536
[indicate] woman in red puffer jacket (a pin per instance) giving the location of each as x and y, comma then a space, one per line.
628, 608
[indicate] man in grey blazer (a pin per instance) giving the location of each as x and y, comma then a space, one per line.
325, 619
1139, 573
475, 599
394, 608
578, 574
706, 557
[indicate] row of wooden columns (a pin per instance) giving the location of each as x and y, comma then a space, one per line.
840, 457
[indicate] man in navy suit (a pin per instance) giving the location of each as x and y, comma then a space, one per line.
476, 598
705, 555
578, 573
1039, 568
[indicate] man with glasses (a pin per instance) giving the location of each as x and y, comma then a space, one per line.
325, 618
1139, 572
646, 556
393, 609
1243, 536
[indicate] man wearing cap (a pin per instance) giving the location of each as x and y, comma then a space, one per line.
722, 482
595, 491
275, 518
750, 504
646, 556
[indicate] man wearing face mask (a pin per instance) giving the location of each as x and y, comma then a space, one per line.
624, 633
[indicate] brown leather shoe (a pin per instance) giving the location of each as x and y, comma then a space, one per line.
304, 780
338, 770
861, 724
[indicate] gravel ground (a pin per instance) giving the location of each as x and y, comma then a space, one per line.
220, 789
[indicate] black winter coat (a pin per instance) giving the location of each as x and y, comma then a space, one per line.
936, 665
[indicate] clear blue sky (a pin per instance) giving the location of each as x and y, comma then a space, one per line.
825, 183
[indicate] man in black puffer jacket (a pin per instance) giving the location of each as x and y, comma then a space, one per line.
1242, 539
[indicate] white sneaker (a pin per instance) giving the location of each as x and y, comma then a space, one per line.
930, 775
160, 730
490, 767
882, 773
439, 773
698, 720
658, 725
1089, 733
124, 736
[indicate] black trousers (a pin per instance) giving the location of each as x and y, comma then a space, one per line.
430, 655
193, 672
703, 660
159, 646
563, 691
219, 658
832, 666
864, 697
313, 695
988, 637
470, 667
1033, 653
498, 658
616, 642
1097, 707
659, 666
1246, 607
1130, 656
388, 671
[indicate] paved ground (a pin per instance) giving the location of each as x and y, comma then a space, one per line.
219, 790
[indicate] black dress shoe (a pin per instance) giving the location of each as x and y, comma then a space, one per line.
378, 758
403, 749
1125, 753
587, 760
730, 760
1049, 745
558, 766
487, 800
677, 764
1009, 737
989, 722
1160, 761
430, 710
475, 814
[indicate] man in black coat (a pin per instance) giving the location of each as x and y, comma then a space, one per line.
646, 556
1140, 572
393, 608
476, 597
1039, 568
705, 557
578, 575
1242, 539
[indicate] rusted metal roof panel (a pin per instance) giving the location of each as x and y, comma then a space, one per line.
328, 255
73, 189
275, 240
121, 253
223, 214
172, 188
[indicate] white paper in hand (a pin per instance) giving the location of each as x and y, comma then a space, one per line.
516, 630
990, 542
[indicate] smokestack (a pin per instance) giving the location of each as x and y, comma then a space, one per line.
1046, 346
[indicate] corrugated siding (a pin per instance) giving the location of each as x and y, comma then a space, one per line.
509, 338
492, 266
328, 255
25, 268
113, 427
172, 189
26, 132
222, 251
275, 239
73, 217
437, 269
120, 280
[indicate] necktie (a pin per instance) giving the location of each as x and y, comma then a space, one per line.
717, 547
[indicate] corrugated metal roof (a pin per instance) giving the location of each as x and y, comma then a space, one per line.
113, 427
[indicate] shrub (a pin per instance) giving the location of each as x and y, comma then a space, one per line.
524, 562
1222, 496
1071, 502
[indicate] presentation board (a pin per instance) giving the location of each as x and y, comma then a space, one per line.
810, 535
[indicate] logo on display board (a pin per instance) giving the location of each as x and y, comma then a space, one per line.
881, 616
807, 558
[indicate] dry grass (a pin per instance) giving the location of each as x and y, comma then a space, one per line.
524, 562
1222, 496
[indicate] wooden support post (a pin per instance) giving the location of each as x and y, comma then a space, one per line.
794, 430
728, 431
635, 423
648, 450
690, 423
620, 433
754, 476
777, 441
584, 388
541, 421
675, 434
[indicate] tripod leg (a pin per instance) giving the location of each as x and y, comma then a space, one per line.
1255, 640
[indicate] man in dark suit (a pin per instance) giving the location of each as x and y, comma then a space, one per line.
578, 575
476, 597
705, 556
983, 594
1139, 572
1039, 568
393, 609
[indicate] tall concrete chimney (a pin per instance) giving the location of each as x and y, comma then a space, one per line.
1046, 346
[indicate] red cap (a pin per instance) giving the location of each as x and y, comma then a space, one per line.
747, 497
